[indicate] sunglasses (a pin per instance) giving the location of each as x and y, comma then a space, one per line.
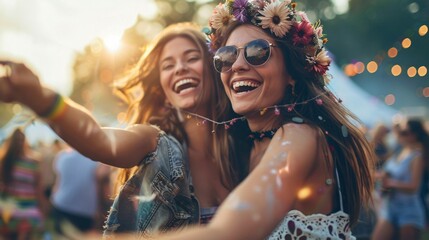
256, 53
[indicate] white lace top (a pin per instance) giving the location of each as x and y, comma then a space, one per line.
296, 225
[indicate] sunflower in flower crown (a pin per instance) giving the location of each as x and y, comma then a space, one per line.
280, 19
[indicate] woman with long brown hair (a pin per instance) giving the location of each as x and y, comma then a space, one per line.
169, 161
310, 165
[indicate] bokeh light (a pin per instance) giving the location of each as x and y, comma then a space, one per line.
425, 92
396, 70
406, 43
423, 30
350, 70
359, 67
422, 71
304, 193
112, 43
390, 99
372, 67
412, 72
392, 52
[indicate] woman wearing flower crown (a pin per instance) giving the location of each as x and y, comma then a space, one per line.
157, 192
310, 165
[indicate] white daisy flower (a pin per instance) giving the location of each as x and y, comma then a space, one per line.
323, 58
221, 17
275, 17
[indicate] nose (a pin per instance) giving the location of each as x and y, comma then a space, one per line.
181, 67
240, 63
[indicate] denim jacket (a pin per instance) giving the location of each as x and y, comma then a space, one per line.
158, 196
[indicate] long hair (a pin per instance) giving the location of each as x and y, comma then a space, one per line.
141, 89
15, 147
353, 157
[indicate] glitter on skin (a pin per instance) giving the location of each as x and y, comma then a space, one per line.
257, 189
284, 143
279, 182
234, 203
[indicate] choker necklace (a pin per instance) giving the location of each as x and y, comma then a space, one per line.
258, 136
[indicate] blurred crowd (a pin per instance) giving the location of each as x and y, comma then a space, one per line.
400, 198
51, 191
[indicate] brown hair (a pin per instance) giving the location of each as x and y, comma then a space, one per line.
353, 156
148, 106
15, 147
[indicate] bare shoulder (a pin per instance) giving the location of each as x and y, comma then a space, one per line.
296, 132
298, 140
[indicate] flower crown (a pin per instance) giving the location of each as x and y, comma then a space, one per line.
280, 19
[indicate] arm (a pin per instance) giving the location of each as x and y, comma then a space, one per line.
255, 207
412, 186
117, 147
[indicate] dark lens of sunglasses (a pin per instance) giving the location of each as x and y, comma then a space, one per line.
257, 52
224, 58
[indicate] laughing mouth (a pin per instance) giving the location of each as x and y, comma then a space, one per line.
184, 84
244, 86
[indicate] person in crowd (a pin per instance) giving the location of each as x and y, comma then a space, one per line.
75, 197
402, 212
311, 167
173, 175
378, 140
48, 153
23, 204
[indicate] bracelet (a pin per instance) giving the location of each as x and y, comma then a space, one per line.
56, 110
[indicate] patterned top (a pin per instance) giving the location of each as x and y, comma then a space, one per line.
22, 192
296, 225
23, 188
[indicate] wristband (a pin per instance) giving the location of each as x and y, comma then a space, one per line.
56, 110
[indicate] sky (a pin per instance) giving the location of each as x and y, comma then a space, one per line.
45, 34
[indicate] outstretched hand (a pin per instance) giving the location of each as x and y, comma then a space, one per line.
20, 84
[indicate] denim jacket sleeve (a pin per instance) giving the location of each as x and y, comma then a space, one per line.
157, 197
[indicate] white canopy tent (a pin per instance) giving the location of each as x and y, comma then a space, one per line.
368, 108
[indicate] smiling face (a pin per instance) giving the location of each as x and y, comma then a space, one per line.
181, 72
252, 88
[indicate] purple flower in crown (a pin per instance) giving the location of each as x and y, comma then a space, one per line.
239, 10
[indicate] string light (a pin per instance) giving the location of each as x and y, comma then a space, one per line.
353, 69
276, 108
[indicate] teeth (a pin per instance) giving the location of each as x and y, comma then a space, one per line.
183, 82
238, 84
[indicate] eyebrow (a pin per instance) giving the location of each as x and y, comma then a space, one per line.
184, 53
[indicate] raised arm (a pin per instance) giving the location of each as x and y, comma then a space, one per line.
255, 207
74, 124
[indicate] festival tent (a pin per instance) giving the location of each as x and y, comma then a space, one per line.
369, 109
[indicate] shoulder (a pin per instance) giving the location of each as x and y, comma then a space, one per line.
298, 133
299, 141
